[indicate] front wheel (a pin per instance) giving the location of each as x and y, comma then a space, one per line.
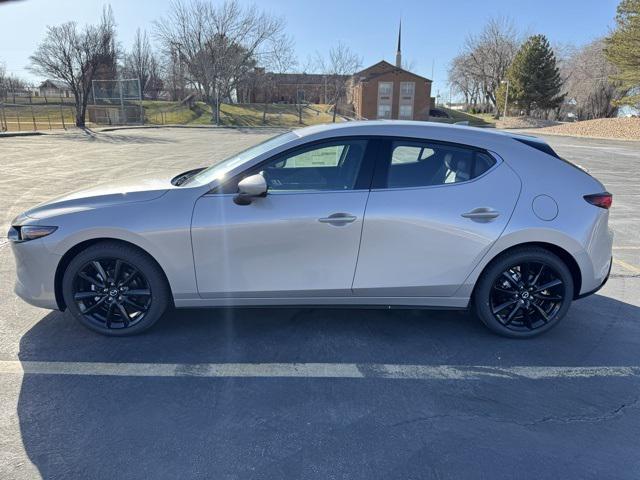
115, 289
524, 293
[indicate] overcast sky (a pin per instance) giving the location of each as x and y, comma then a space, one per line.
433, 31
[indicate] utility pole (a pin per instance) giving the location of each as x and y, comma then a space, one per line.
506, 97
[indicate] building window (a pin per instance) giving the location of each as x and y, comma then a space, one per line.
385, 99
407, 89
407, 94
385, 89
384, 111
406, 112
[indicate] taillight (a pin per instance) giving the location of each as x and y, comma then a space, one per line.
602, 200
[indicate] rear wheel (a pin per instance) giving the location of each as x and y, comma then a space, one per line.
115, 289
524, 293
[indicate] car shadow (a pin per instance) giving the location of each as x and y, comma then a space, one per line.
342, 335
101, 427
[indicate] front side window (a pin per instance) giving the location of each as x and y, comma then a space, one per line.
416, 164
333, 166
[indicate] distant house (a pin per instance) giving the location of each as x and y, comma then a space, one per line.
385, 91
54, 89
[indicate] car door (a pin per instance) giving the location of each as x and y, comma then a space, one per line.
300, 240
433, 212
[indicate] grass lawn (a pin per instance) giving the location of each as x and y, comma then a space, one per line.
244, 115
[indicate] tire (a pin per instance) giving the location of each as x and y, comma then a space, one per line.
508, 302
134, 282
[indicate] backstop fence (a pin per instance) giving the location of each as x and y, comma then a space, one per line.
116, 102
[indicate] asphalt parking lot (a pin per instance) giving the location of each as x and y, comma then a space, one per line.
312, 393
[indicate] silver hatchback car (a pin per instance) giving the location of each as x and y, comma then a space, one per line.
363, 213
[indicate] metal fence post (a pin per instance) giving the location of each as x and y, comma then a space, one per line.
122, 114
18, 117
3, 118
62, 112
33, 115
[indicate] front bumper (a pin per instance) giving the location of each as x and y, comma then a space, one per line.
35, 273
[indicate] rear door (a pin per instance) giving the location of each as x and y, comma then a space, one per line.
433, 213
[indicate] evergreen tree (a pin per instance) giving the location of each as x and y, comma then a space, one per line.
534, 79
623, 50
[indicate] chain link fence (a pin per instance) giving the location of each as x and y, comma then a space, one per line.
23, 111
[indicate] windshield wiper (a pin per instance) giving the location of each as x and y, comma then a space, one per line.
183, 177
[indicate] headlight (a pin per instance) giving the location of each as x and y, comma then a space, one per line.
29, 232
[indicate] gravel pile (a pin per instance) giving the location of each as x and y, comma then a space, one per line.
524, 122
619, 128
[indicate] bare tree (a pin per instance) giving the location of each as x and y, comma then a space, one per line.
10, 85
485, 59
588, 83
280, 58
338, 66
217, 44
463, 81
74, 55
142, 63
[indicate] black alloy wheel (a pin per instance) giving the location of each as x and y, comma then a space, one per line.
524, 292
112, 293
527, 296
115, 289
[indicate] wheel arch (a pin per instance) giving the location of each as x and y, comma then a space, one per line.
81, 246
564, 255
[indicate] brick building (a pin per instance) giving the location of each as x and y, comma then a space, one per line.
288, 87
389, 92
385, 91
382, 90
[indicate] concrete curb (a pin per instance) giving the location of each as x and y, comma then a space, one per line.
205, 127
21, 134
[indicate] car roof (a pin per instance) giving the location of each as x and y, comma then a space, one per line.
485, 137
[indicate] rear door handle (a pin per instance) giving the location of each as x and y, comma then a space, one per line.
338, 219
482, 213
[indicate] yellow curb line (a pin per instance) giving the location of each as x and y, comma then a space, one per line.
626, 265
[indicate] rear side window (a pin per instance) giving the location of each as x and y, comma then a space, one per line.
416, 164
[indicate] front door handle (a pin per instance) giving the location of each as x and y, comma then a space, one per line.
338, 219
482, 214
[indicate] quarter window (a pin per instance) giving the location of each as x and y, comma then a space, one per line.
416, 164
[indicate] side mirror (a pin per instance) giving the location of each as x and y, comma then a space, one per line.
250, 188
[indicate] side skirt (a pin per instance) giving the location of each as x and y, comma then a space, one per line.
455, 303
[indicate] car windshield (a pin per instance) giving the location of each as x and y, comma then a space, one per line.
219, 170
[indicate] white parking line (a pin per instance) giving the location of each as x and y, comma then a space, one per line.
311, 370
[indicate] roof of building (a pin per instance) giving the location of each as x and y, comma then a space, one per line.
55, 83
381, 68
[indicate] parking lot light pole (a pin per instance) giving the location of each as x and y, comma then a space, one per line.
506, 97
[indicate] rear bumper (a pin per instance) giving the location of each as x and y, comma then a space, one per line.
591, 292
